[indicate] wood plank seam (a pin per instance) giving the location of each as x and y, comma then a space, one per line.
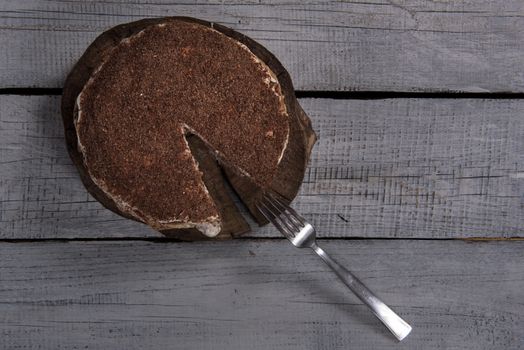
342, 95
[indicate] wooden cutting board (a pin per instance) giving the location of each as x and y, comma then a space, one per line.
291, 168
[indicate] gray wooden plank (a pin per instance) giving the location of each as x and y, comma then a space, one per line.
416, 168
41, 194
412, 45
258, 295
421, 168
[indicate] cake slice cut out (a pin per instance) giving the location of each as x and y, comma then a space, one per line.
142, 89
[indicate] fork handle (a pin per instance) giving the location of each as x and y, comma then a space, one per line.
395, 324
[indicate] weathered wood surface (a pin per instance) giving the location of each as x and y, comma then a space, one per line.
374, 45
424, 168
258, 295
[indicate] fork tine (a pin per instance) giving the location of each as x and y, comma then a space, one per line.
299, 220
275, 220
282, 214
294, 224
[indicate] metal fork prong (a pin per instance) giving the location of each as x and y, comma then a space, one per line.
280, 215
296, 217
275, 220
267, 214
289, 218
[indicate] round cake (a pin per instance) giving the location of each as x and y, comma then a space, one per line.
158, 113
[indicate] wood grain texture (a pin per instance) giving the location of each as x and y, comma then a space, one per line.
265, 294
390, 45
421, 168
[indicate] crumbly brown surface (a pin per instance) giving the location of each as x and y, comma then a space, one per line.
134, 113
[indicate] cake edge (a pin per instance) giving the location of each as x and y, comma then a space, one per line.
212, 226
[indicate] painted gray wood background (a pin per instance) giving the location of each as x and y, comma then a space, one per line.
473, 45
424, 168
258, 295
419, 171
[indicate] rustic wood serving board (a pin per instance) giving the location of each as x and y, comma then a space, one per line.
291, 168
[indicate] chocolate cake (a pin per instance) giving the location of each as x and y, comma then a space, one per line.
142, 91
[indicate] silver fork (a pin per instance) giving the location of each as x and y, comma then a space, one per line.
299, 232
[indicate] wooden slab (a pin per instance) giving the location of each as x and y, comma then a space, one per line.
268, 294
290, 171
469, 45
421, 168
